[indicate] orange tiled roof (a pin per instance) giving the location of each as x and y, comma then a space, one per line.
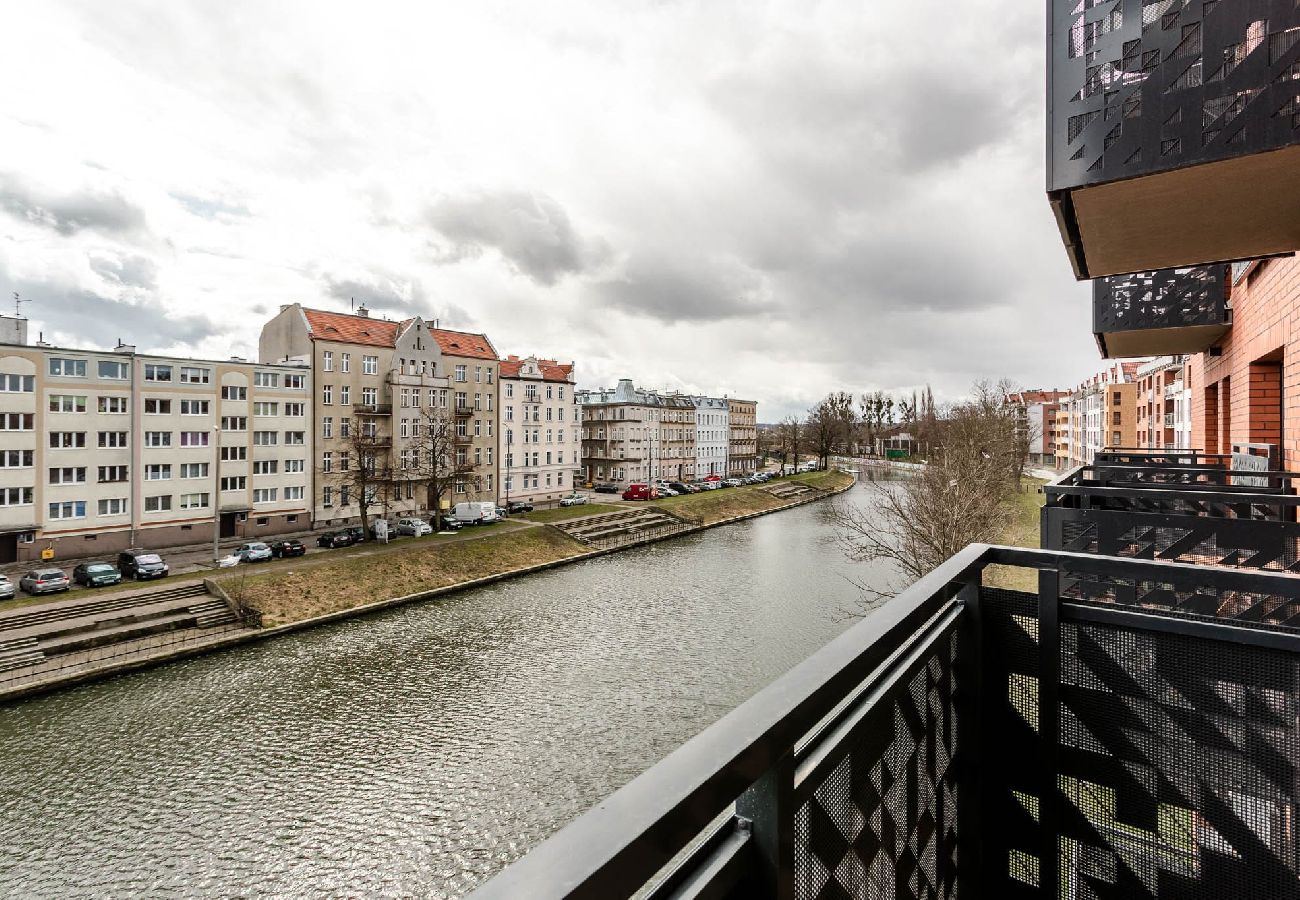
464, 343
330, 326
551, 370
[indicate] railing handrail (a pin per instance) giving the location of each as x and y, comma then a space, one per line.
1068, 484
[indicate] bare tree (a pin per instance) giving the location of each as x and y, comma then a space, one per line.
830, 425
439, 456
792, 434
363, 471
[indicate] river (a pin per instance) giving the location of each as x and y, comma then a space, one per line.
417, 751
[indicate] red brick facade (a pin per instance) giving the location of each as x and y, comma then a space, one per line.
1250, 390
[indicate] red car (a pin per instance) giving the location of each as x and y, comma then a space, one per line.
640, 492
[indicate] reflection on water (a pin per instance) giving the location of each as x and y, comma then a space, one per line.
417, 751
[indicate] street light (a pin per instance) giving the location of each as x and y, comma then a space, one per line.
216, 497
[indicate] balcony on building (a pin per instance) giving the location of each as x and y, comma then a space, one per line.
1161, 313
373, 409
1173, 119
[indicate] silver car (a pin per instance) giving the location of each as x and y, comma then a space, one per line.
254, 552
7, 589
44, 581
413, 527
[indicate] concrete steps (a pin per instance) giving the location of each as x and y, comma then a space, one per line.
77, 609
19, 652
212, 613
643, 521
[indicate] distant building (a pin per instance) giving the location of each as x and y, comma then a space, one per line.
1164, 404
540, 432
632, 435
1099, 414
1036, 418
742, 423
712, 436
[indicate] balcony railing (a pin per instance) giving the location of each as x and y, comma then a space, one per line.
1173, 118
373, 409
462, 410
970, 741
1160, 313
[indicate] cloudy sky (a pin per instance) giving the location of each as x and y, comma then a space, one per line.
771, 200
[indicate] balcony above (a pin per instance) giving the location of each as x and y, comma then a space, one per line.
1173, 132
1160, 313
373, 409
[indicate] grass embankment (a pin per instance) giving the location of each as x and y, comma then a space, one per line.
1022, 530
561, 513
346, 583
708, 507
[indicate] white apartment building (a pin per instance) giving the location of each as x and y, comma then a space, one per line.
712, 437
541, 430
104, 450
1164, 404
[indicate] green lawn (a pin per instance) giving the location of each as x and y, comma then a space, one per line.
1021, 531
714, 506
561, 513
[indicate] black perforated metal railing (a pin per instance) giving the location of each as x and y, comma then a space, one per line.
971, 741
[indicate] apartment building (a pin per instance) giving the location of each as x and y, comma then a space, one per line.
104, 450
382, 389
712, 436
632, 435
1164, 401
540, 432
1100, 413
1036, 417
742, 426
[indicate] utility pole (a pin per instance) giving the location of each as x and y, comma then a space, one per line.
216, 496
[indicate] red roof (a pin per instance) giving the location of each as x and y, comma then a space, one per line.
464, 343
551, 370
351, 329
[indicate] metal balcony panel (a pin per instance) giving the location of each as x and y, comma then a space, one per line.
1161, 313
1173, 131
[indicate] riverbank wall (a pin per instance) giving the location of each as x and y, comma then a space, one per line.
237, 639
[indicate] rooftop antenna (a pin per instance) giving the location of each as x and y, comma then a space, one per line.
354, 303
18, 302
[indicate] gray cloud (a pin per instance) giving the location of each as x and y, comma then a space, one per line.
531, 231
84, 318
379, 292
211, 207
128, 270
69, 213
686, 288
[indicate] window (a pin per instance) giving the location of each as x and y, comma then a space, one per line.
233, 454
158, 472
265, 438
265, 495
406, 396
157, 438
112, 440
405, 429
234, 393
194, 438
327, 361
327, 497
194, 470
68, 475
488, 373
345, 394
327, 394
415, 398
194, 501
17, 384
345, 461
114, 507
548, 392
293, 493
265, 466
195, 407
297, 410
70, 509
343, 495
263, 408
114, 370
153, 372
461, 377
370, 365
67, 368
67, 403
234, 483
295, 382
16, 459
345, 426
560, 391
462, 487
160, 503
234, 423
510, 413
192, 375
478, 374
369, 396
294, 465
327, 462
114, 405
16, 496
17, 422
67, 440
345, 362
266, 379
155, 407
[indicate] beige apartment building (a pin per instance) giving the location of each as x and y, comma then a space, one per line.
631, 435
381, 388
105, 450
540, 431
1101, 413
742, 421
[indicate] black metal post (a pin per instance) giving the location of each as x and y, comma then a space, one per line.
972, 741
769, 807
1049, 727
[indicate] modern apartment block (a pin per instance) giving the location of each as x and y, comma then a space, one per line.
1036, 412
742, 424
540, 431
631, 435
1164, 401
381, 389
104, 450
712, 436
1100, 413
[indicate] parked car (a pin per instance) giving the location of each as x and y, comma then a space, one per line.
606, 488
44, 581
475, 512
141, 564
679, 487
357, 533
518, 506
286, 549
573, 499
254, 551
332, 539
639, 492
7, 589
96, 574
710, 485
414, 527
733, 482
447, 524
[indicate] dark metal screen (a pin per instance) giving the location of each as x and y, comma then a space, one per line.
1144, 86
1168, 298
883, 823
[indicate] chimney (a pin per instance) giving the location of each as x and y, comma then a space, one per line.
123, 348
363, 312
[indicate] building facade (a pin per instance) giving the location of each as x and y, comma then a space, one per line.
1036, 417
712, 437
742, 425
1100, 413
631, 435
1164, 400
541, 430
105, 450
383, 390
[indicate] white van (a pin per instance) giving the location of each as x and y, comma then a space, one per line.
475, 513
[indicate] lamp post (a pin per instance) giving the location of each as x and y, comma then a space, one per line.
216, 496
510, 442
